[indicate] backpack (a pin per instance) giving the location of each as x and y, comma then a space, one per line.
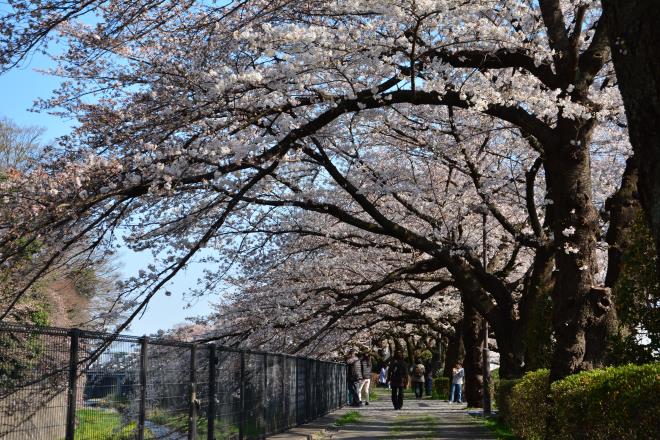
418, 370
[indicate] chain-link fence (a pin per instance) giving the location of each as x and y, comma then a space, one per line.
66, 384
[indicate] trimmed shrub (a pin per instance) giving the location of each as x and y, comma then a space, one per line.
441, 387
528, 405
503, 390
613, 403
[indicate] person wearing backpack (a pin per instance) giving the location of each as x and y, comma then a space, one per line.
398, 378
418, 373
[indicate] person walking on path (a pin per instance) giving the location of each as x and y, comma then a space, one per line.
382, 377
418, 373
398, 378
365, 363
354, 377
457, 376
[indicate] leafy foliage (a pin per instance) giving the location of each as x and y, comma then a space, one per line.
616, 402
503, 390
611, 403
638, 301
441, 387
528, 405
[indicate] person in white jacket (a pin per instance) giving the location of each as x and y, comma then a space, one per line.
456, 392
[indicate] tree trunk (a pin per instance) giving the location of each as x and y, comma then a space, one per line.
397, 346
410, 346
473, 364
511, 355
436, 358
579, 308
623, 208
455, 349
535, 322
634, 36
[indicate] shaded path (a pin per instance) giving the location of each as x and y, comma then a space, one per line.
425, 419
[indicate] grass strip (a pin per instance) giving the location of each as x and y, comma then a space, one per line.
348, 418
497, 427
100, 424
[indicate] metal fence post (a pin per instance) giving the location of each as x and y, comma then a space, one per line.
212, 389
265, 394
285, 397
143, 386
241, 427
297, 393
192, 423
72, 386
307, 390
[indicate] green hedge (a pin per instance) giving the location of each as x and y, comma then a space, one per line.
612, 403
441, 387
503, 389
528, 405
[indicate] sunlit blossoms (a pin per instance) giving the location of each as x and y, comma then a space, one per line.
397, 129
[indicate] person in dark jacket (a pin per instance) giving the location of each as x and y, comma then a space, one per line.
354, 377
398, 378
365, 362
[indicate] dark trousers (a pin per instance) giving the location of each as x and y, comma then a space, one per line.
353, 388
429, 386
419, 389
397, 397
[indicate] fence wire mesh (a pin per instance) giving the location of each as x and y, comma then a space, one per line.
67, 384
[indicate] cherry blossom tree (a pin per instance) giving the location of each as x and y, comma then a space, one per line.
200, 109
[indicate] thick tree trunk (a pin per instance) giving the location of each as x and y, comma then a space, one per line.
473, 363
455, 349
634, 36
535, 322
580, 308
511, 353
437, 358
410, 347
623, 208
397, 346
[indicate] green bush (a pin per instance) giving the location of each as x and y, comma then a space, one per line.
528, 405
613, 403
503, 390
441, 387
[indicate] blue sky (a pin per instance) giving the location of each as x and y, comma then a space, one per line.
20, 88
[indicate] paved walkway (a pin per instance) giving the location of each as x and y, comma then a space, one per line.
418, 419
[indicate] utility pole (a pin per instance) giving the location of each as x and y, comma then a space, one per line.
486, 352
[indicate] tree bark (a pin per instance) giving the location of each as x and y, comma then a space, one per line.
623, 208
473, 363
410, 347
580, 310
442, 346
634, 36
438, 355
455, 349
534, 331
